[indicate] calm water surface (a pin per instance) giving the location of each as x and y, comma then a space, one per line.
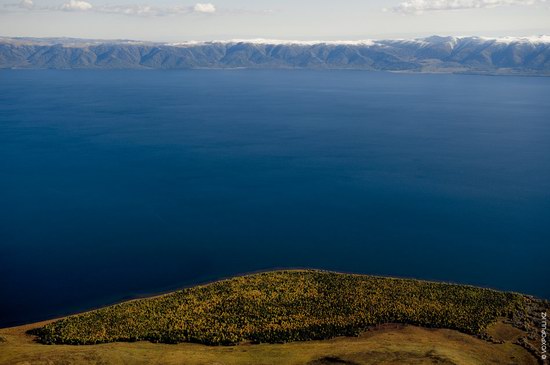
122, 183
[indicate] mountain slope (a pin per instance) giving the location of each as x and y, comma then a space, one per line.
529, 56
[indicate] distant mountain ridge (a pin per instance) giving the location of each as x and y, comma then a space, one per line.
499, 56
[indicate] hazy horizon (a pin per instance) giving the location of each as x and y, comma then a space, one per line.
314, 40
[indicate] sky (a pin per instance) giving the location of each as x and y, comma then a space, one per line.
181, 20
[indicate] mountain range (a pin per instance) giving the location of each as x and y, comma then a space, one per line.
510, 55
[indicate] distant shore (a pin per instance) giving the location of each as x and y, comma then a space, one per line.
462, 55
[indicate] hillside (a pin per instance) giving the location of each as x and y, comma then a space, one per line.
524, 56
395, 345
294, 317
285, 306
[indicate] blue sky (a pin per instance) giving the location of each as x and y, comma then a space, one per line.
171, 20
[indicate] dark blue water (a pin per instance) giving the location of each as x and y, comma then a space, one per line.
122, 183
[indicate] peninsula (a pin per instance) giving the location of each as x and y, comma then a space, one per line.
312, 317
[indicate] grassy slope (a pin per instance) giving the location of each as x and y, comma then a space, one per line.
286, 306
388, 345
304, 297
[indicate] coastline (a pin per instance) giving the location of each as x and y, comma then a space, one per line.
173, 289
502, 339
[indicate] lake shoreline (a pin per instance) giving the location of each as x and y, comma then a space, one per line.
131, 298
503, 337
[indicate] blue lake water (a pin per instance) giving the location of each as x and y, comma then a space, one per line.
115, 184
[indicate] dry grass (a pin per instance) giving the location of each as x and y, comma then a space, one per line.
395, 344
504, 332
384, 344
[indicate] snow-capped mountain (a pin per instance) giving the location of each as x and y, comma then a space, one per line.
508, 55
